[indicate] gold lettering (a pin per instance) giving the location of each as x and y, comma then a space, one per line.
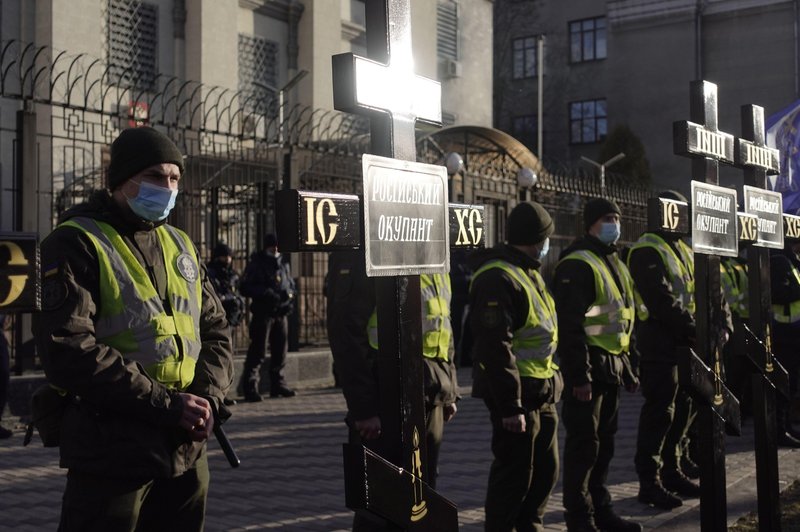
747, 228
311, 236
476, 226
670, 216
17, 258
332, 227
792, 226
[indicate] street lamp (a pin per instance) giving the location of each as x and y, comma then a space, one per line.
287, 86
603, 167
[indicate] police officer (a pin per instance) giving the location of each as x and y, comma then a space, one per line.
226, 283
594, 296
662, 267
513, 321
133, 334
268, 281
352, 332
785, 288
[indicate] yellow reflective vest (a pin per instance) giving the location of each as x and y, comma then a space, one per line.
608, 322
680, 269
733, 277
131, 315
788, 313
535, 342
437, 331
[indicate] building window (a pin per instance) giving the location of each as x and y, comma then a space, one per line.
588, 121
131, 41
523, 128
524, 57
258, 73
447, 30
587, 39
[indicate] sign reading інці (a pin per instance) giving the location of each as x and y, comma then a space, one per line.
768, 206
405, 217
714, 219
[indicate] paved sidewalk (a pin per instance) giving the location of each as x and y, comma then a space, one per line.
291, 473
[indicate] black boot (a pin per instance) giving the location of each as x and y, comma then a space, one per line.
675, 481
654, 494
250, 390
607, 521
689, 468
580, 523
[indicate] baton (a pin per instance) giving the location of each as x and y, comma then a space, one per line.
225, 445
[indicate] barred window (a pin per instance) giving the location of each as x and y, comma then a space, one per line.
258, 73
588, 121
132, 43
587, 39
447, 30
524, 54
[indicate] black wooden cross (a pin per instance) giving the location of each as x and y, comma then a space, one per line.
758, 160
702, 140
393, 484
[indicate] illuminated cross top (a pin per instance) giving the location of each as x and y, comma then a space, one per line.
386, 83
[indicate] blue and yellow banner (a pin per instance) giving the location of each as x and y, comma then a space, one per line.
783, 133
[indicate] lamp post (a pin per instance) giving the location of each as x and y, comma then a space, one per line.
287, 86
603, 166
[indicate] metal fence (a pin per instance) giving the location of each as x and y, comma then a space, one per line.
59, 113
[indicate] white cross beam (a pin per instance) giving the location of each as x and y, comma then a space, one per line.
365, 86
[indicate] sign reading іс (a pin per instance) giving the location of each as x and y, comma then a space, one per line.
406, 217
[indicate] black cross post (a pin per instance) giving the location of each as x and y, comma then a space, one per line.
702, 140
391, 483
758, 160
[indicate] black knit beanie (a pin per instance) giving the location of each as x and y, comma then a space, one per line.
270, 240
221, 250
596, 208
529, 223
139, 148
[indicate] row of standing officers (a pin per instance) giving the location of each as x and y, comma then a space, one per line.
612, 322
136, 347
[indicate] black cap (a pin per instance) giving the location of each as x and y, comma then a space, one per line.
137, 149
221, 250
529, 223
596, 208
270, 241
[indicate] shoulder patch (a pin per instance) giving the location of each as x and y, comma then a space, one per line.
187, 268
54, 293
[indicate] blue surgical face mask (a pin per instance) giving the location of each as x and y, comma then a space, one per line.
545, 249
153, 202
609, 232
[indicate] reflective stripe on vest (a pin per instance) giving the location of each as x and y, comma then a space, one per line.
788, 313
535, 342
608, 323
733, 278
437, 331
131, 316
683, 282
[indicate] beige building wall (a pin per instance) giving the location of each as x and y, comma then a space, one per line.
468, 96
211, 42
